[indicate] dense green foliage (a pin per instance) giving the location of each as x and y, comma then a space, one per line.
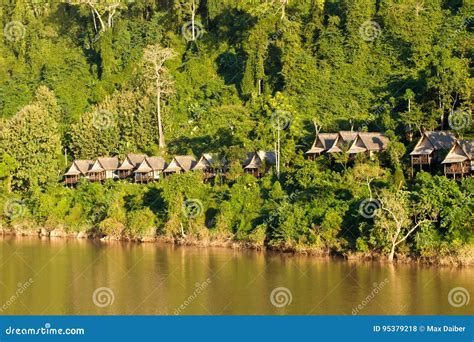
75, 83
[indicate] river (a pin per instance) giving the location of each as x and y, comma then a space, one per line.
78, 277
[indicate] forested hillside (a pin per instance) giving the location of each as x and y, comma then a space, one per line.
83, 79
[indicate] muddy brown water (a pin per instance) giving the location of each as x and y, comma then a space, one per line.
80, 277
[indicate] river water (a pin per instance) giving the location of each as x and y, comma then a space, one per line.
78, 277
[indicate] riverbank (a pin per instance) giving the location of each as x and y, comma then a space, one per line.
464, 259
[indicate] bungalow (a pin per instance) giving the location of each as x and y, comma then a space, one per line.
103, 168
343, 141
180, 164
430, 148
368, 143
150, 169
78, 169
259, 163
321, 144
460, 159
130, 163
210, 165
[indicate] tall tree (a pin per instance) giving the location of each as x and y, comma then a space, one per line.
396, 219
32, 139
154, 59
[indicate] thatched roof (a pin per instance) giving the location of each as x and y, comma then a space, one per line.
369, 141
132, 161
79, 167
343, 138
433, 140
322, 142
256, 159
468, 147
150, 164
105, 164
461, 151
358, 146
156, 163
180, 163
253, 163
348, 136
268, 157
206, 160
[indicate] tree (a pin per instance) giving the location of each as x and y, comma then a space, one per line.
256, 48
99, 10
395, 218
396, 150
193, 6
367, 173
32, 139
283, 4
154, 58
7, 166
123, 122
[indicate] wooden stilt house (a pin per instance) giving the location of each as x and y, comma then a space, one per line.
78, 170
459, 161
150, 170
180, 164
431, 148
343, 142
129, 165
259, 163
368, 143
210, 165
321, 144
103, 168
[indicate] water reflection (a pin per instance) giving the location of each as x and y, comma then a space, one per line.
165, 279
